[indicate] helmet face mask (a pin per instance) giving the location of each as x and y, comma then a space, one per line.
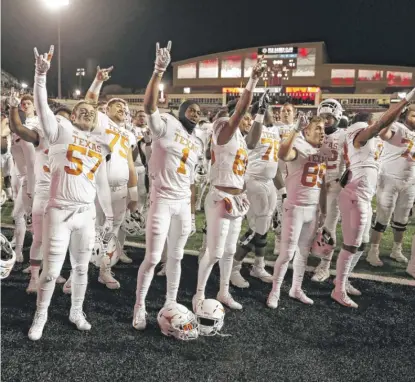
330, 107
210, 316
8, 257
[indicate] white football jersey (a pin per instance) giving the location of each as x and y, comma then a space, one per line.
74, 158
229, 161
333, 148
398, 157
42, 171
20, 147
173, 160
306, 174
363, 163
204, 133
263, 159
284, 131
120, 142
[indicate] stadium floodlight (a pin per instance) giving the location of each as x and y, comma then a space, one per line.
24, 85
56, 4
78, 92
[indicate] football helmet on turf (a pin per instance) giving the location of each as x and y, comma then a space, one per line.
323, 243
210, 316
106, 248
176, 320
8, 257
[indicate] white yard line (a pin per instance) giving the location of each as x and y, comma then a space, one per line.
367, 277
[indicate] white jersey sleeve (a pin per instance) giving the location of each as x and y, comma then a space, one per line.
42, 171
173, 160
263, 159
398, 157
229, 161
306, 174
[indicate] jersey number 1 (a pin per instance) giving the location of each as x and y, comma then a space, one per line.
185, 155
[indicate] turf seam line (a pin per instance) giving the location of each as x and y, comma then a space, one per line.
367, 277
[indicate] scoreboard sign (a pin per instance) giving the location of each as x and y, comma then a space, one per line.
280, 56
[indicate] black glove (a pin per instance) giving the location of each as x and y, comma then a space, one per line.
264, 102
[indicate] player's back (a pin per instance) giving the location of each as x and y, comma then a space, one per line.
229, 161
364, 163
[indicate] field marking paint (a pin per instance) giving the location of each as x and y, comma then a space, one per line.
366, 277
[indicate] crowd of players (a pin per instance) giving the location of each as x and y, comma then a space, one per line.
82, 179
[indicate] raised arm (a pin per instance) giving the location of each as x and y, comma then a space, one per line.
46, 117
287, 152
94, 90
155, 123
383, 125
254, 134
16, 125
229, 128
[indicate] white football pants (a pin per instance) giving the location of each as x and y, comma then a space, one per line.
141, 187
166, 220
40, 200
222, 236
22, 206
64, 228
299, 229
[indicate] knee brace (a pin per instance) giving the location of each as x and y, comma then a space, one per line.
379, 227
260, 240
398, 226
247, 241
362, 247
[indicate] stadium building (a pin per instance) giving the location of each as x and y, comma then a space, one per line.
299, 73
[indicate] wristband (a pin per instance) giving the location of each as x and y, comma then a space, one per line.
259, 118
158, 73
95, 86
251, 84
133, 193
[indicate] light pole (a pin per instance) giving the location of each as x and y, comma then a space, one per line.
81, 73
58, 4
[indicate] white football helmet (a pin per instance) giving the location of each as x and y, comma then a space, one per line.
200, 173
107, 248
3, 198
332, 107
210, 316
8, 257
176, 320
323, 243
134, 224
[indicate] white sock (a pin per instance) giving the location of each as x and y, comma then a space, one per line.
259, 262
299, 265
78, 287
397, 247
344, 261
374, 247
205, 268
225, 264
173, 273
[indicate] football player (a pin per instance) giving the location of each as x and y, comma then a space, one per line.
77, 171
226, 202
396, 187
120, 168
174, 157
24, 158
260, 174
304, 208
6, 156
333, 146
285, 126
360, 179
42, 186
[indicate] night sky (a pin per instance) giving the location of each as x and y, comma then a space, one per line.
123, 33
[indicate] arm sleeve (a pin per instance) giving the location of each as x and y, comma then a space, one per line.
46, 117
29, 157
104, 191
157, 125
